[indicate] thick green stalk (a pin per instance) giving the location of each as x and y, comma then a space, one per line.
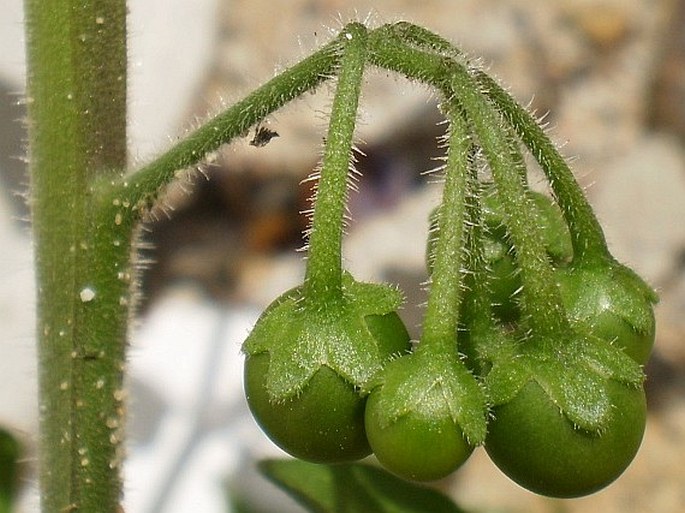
446, 288
76, 54
323, 280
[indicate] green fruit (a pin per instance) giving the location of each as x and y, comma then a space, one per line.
612, 303
534, 444
324, 421
425, 416
505, 282
500, 253
423, 445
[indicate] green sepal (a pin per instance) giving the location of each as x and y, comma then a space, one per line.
301, 336
441, 385
574, 373
506, 378
605, 359
614, 285
371, 298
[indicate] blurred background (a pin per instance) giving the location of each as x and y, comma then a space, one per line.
611, 75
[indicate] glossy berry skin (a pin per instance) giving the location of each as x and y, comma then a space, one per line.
538, 448
423, 445
324, 422
612, 303
423, 414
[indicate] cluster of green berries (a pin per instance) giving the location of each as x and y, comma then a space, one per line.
534, 337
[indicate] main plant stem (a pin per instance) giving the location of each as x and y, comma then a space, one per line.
76, 54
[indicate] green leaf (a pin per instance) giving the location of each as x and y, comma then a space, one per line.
237, 503
353, 488
9, 454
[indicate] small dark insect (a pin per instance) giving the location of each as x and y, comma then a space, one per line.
262, 136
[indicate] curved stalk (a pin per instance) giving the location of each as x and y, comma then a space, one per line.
589, 243
587, 236
542, 302
388, 51
137, 191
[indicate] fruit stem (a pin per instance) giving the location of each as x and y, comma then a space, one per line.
541, 301
140, 189
587, 236
323, 278
445, 293
589, 243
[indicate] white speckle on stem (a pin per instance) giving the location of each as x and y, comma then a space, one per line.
87, 294
100, 383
